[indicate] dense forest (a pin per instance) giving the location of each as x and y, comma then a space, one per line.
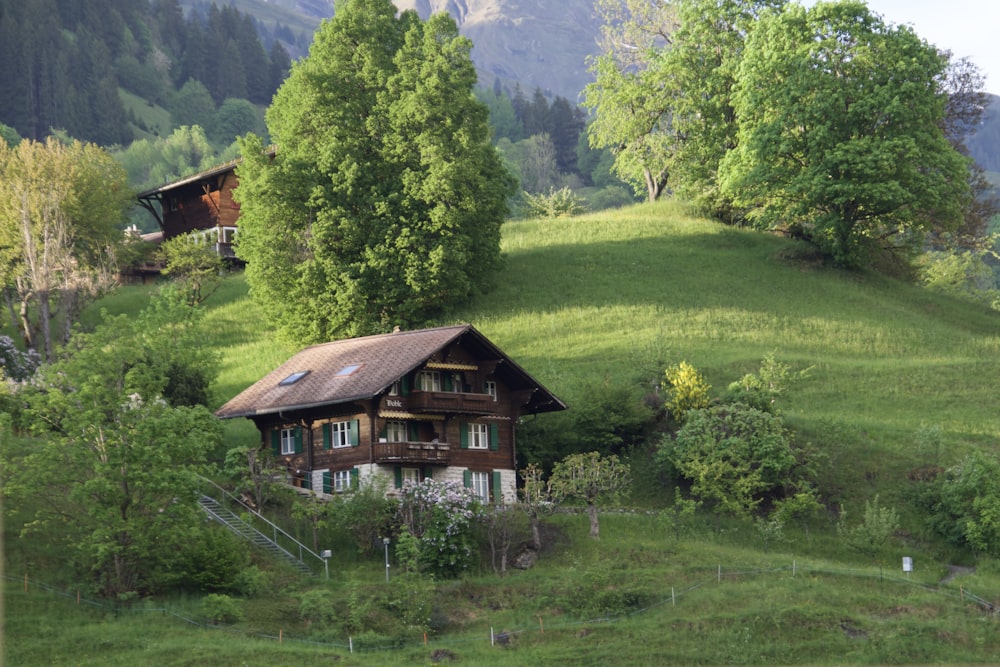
63, 63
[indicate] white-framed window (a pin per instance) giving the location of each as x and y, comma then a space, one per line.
429, 381
490, 386
395, 432
396, 388
340, 434
342, 481
479, 482
479, 436
287, 441
410, 476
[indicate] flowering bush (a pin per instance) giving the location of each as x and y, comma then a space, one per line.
440, 516
15, 364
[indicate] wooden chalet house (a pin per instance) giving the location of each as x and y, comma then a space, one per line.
440, 403
200, 203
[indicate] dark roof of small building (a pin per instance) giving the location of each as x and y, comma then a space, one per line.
361, 368
193, 178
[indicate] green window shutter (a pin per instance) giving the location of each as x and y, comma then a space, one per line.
448, 384
327, 482
355, 479
494, 437
467, 478
399, 476
298, 440
327, 436
428, 472
276, 441
414, 432
307, 481
384, 433
404, 385
497, 490
353, 431
463, 430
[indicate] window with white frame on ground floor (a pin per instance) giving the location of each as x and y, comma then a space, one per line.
479, 482
287, 441
342, 480
410, 476
479, 436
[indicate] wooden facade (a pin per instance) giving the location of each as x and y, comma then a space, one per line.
440, 403
199, 203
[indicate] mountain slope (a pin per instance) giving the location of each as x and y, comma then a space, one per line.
540, 43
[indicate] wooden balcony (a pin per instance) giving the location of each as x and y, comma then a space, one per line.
450, 402
411, 452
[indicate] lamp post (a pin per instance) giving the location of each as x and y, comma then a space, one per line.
385, 541
325, 555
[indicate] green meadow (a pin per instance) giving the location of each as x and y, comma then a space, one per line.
614, 298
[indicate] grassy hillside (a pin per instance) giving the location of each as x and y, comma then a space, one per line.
617, 297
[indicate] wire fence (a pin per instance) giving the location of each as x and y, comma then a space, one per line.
353, 645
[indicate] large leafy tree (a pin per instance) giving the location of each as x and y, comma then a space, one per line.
631, 95
382, 203
702, 66
61, 207
122, 435
840, 138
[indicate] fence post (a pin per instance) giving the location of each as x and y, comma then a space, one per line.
492, 637
541, 625
350, 644
673, 598
720, 573
793, 569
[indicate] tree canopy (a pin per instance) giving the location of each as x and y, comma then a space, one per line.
123, 433
840, 137
826, 122
382, 203
61, 207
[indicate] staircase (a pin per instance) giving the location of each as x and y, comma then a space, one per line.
254, 528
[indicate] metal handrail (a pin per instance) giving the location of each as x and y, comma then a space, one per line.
276, 530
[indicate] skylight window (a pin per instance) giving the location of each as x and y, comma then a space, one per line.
293, 378
347, 370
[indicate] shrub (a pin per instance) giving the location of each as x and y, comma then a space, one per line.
732, 454
316, 608
562, 203
686, 390
220, 608
440, 515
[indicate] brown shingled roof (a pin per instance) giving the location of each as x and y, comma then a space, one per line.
381, 360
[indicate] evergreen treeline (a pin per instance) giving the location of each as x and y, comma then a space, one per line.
544, 143
62, 62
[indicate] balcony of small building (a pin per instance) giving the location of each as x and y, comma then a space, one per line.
452, 402
411, 452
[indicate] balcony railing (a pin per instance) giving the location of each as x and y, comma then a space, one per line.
454, 402
411, 452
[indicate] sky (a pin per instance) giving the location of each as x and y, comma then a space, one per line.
965, 27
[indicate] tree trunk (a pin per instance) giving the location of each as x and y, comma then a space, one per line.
536, 533
595, 529
45, 321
